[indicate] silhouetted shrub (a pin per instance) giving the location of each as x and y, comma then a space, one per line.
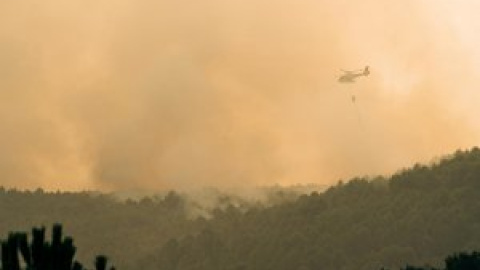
42, 255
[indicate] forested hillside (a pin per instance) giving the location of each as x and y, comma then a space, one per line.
125, 229
101, 225
417, 216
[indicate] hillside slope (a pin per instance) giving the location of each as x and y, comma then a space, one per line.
126, 230
417, 216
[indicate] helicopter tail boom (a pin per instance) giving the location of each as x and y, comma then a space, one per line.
366, 71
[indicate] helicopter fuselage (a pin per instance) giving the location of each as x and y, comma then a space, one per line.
350, 77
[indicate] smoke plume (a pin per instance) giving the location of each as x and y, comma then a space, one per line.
125, 94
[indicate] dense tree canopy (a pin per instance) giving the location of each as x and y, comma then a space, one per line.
126, 230
417, 216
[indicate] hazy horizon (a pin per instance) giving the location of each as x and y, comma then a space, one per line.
124, 95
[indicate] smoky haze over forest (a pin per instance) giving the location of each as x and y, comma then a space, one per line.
173, 94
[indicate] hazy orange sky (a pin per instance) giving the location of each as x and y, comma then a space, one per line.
156, 94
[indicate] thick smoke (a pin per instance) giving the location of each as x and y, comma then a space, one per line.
176, 94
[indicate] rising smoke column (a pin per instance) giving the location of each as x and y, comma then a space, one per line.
152, 95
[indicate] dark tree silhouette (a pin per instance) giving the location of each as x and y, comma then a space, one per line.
460, 261
42, 255
463, 261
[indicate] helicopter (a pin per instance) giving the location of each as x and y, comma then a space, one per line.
350, 76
